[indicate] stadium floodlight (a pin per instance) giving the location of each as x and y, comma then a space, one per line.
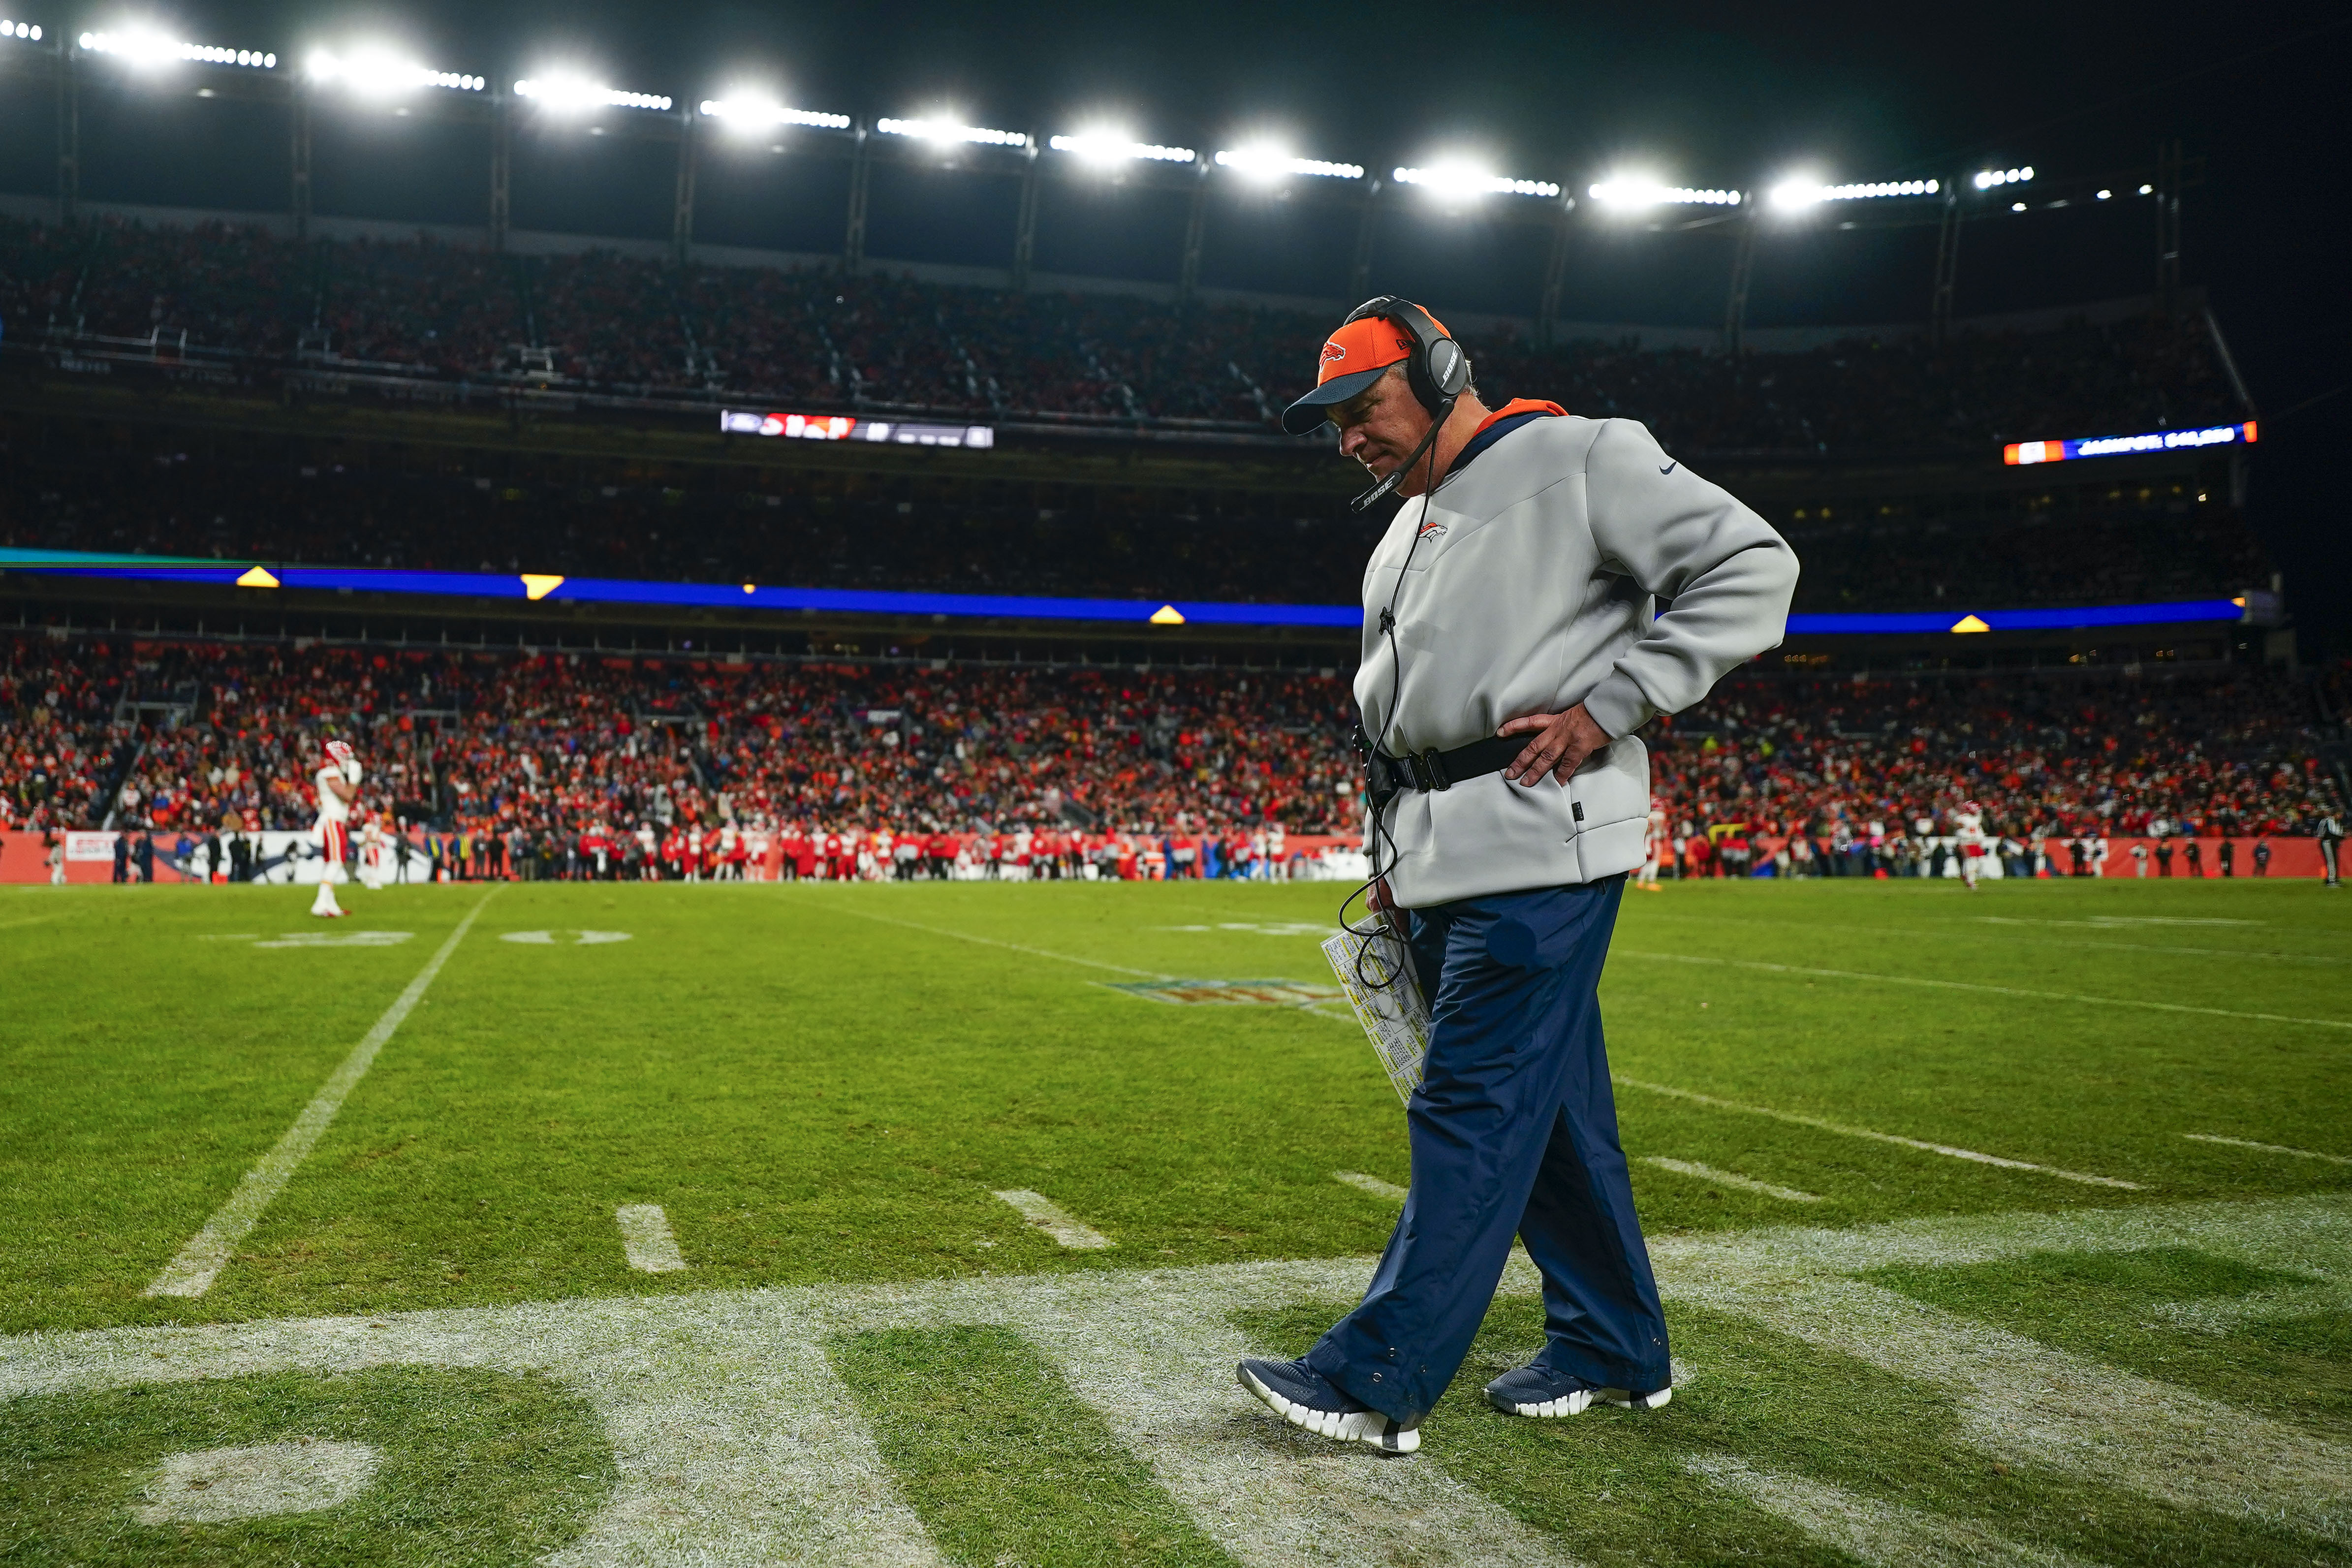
1633, 192
1270, 164
1803, 192
1109, 147
138, 46
750, 114
28, 31
571, 94
378, 73
1457, 180
1987, 179
944, 130
2106, 195
2147, 190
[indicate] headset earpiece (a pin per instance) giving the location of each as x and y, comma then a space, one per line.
1437, 370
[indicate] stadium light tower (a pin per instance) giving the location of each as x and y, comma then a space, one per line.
376, 70
1112, 147
148, 49
946, 130
749, 114
1639, 193
1267, 165
565, 93
1454, 180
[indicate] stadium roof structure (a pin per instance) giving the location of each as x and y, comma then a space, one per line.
362, 80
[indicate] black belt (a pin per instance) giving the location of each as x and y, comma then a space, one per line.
1434, 770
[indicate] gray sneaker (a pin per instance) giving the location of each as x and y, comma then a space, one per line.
1536, 1389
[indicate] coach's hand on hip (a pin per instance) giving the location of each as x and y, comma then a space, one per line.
1562, 742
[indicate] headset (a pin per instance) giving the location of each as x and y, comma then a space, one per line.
1436, 370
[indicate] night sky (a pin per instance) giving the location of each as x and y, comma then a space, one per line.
1734, 95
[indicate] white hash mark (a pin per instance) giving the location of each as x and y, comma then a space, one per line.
1729, 1179
645, 1237
1046, 1216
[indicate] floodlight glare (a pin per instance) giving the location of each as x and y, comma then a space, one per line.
2147, 190
748, 115
571, 94
379, 73
1457, 180
2106, 195
1102, 147
1795, 193
1266, 164
1634, 192
946, 131
28, 31
1988, 178
140, 47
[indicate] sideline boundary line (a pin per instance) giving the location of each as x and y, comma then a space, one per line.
1824, 1125
197, 1263
1978, 986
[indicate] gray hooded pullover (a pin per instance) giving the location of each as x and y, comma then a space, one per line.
1530, 589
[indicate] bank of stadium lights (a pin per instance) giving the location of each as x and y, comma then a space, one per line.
754, 114
28, 31
373, 72
1797, 194
1992, 179
1101, 148
1265, 163
1455, 180
141, 49
1634, 192
571, 94
947, 131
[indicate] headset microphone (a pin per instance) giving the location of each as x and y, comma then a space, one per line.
1396, 476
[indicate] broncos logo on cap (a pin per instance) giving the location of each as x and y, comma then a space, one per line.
1333, 352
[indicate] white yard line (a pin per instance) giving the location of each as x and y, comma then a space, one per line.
1047, 1215
2269, 1148
1372, 1184
1983, 989
1729, 1179
1844, 1130
645, 1237
1871, 1530
1008, 946
207, 1252
735, 1442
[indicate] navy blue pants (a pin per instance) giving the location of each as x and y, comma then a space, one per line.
1513, 1130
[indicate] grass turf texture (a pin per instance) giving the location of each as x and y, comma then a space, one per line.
817, 1089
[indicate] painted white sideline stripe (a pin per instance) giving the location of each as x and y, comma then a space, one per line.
2269, 1148
1729, 1179
1008, 946
1372, 1184
1046, 1216
1839, 1127
1988, 990
645, 1237
1870, 1529
207, 1252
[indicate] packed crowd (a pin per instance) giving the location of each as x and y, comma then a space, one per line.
1853, 766
595, 755
882, 342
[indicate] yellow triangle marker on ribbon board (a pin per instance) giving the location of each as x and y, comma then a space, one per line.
539, 584
257, 577
1167, 616
1970, 624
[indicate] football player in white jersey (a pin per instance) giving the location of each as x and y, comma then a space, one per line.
372, 855
1969, 834
338, 782
1653, 836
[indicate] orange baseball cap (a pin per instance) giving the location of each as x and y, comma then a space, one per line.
1353, 358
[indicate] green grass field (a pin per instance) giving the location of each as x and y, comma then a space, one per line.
2011, 1227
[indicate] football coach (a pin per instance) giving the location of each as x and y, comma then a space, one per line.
1514, 642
